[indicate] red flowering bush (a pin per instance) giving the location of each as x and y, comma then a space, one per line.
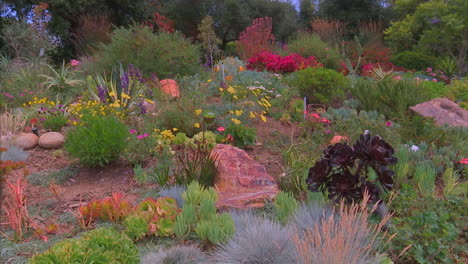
278, 64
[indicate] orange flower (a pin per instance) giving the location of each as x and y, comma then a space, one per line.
229, 78
241, 68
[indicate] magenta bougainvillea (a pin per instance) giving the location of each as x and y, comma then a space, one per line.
279, 64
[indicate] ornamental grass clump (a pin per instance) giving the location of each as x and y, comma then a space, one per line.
262, 241
343, 235
98, 141
177, 254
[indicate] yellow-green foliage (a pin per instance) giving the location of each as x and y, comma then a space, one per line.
199, 217
285, 206
103, 245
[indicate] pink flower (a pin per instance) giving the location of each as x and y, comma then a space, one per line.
229, 137
464, 161
397, 78
324, 120
132, 131
429, 69
388, 123
434, 80
220, 129
75, 63
140, 137
145, 135
328, 131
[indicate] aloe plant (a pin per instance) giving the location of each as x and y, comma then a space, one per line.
61, 80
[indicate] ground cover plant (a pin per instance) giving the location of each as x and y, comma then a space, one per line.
115, 132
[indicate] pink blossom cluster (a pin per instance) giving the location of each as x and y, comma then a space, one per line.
314, 117
279, 64
142, 136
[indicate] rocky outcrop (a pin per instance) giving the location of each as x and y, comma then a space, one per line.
443, 111
241, 181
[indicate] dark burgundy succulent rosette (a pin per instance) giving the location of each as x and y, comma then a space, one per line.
342, 172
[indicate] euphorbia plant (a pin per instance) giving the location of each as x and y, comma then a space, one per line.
344, 171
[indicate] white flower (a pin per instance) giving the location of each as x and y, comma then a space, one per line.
414, 148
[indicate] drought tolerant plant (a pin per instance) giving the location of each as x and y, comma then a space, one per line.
344, 172
389, 97
209, 40
98, 141
344, 236
307, 44
165, 54
241, 135
178, 254
279, 64
55, 123
92, 31
175, 192
103, 245
309, 215
262, 241
199, 217
319, 85
123, 90
11, 123
256, 38
332, 31
62, 80
413, 60
285, 206
15, 207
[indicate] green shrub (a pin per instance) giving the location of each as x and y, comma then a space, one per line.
414, 60
98, 141
285, 206
55, 123
457, 90
433, 226
435, 89
242, 135
306, 44
320, 85
103, 245
389, 97
161, 53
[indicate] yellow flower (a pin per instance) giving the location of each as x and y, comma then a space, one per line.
197, 125
221, 89
252, 114
263, 118
124, 95
236, 121
149, 101
239, 112
198, 111
111, 94
230, 89
175, 129
235, 97
208, 81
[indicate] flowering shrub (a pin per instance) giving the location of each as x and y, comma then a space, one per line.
278, 64
437, 75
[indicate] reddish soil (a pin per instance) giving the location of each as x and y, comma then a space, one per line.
88, 184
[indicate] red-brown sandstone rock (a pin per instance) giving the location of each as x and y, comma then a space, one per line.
241, 181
